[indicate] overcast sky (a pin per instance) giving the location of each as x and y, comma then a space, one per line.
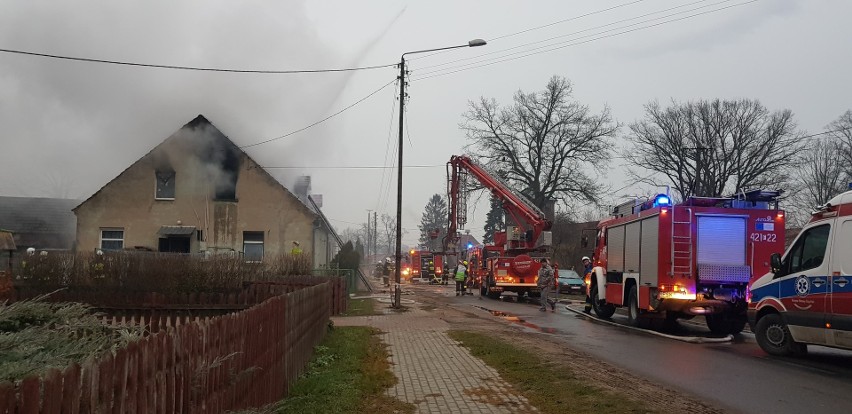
70, 127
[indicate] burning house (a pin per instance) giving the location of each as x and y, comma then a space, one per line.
198, 192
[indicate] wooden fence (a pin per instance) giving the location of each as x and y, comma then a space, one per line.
209, 365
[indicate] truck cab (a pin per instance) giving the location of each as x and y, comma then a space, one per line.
807, 296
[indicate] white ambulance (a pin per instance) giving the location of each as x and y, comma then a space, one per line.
807, 298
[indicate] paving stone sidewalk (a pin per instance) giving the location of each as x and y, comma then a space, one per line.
435, 373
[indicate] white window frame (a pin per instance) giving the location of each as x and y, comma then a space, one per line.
102, 239
255, 242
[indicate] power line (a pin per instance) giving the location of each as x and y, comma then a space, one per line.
387, 147
565, 20
193, 68
354, 167
583, 42
570, 34
321, 120
541, 27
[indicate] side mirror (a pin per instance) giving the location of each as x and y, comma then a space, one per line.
775, 262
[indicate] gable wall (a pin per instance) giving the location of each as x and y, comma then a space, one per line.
128, 202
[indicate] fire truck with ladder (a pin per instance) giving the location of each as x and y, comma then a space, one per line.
511, 264
678, 261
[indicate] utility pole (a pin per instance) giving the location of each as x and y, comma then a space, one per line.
369, 237
397, 292
375, 233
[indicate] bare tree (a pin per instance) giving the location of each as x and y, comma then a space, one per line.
542, 143
387, 238
709, 148
821, 175
841, 130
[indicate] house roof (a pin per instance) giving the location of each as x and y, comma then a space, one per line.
36, 215
222, 143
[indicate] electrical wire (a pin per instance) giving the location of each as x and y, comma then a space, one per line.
572, 34
618, 6
582, 42
387, 146
321, 120
540, 27
354, 167
193, 68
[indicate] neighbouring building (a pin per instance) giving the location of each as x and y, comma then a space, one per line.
40, 223
198, 192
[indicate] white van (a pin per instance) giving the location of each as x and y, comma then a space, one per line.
807, 298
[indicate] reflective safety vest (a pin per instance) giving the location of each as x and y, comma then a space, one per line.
460, 271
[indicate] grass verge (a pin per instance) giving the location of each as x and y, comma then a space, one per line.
348, 374
361, 307
548, 387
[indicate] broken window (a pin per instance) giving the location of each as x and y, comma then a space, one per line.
253, 246
165, 185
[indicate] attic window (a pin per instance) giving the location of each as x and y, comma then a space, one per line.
165, 185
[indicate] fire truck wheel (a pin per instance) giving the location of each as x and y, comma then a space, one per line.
774, 337
603, 310
633, 312
725, 324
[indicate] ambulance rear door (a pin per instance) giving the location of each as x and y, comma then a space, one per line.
841, 285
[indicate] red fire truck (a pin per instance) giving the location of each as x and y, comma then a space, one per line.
426, 266
693, 258
511, 263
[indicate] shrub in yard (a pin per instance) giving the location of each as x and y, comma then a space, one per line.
36, 336
151, 271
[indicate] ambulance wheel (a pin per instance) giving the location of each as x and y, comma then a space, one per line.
774, 337
603, 310
725, 324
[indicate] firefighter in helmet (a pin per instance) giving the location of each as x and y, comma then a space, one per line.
461, 275
587, 277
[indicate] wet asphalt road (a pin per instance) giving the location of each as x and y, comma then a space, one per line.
735, 375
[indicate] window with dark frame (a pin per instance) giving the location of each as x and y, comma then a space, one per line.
253, 246
165, 185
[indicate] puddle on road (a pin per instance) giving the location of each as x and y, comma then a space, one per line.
515, 319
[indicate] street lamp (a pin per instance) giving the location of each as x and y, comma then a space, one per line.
397, 271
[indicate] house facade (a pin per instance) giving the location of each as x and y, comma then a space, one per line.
197, 192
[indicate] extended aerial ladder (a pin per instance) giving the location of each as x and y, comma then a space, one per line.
508, 265
530, 220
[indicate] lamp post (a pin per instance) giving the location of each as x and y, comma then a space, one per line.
398, 269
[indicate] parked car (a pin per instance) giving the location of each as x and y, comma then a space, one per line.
570, 281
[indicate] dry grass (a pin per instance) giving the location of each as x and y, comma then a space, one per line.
349, 374
548, 387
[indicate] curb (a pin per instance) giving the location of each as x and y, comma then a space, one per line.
688, 339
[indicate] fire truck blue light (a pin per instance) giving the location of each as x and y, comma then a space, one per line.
662, 200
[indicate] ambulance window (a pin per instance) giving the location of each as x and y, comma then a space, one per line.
845, 240
809, 250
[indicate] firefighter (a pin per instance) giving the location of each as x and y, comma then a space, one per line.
297, 249
98, 264
587, 275
545, 283
461, 275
